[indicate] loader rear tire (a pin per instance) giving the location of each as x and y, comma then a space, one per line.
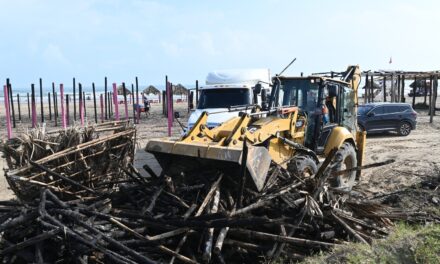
302, 166
348, 159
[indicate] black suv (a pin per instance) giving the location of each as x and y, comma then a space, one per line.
381, 117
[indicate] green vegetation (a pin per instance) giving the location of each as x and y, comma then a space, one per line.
406, 244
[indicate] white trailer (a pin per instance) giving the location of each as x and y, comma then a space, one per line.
229, 89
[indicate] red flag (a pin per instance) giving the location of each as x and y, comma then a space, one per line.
391, 60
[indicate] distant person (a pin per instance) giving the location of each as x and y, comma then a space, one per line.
325, 114
329, 103
146, 105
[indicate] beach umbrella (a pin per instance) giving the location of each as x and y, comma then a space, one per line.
121, 91
151, 90
179, 90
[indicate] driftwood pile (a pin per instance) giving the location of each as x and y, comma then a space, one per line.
75, 163
201, 217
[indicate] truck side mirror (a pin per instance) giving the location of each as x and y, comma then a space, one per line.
257, 88
256, 91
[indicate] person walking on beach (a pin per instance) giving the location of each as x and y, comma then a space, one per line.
146, 105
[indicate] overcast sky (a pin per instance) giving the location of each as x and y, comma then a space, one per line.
121, 39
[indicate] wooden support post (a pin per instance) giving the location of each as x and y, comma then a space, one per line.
435, 93
101, 101
94, 102
34, 107
430, 88
414, 92
115, 101
393, 90
124, 92
172, 103
165, 98
74, 100
164, 102
366, 89
133, 103
425, 91
63, 113
384, 88
110, 104
188, 102
371, 92
81, 112
434, 84
106, 100
67, 110
398, 88
56, 108
192, 99
11, 104
41, 101
19, 107
55, 104
403, 99
169, 110
50, 106
197, 92
106, 112
137, 101
8, 117
29, 106
84, 106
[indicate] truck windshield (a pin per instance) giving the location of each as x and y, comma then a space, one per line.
223, 98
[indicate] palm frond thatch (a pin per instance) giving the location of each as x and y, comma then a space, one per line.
121, 91
179, 89
151, 90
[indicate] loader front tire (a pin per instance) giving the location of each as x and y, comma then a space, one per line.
346, 156
302, 166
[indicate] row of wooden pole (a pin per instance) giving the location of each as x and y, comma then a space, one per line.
398, 93
168, 102
108, 101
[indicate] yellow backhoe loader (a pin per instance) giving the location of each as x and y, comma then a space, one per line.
291, 128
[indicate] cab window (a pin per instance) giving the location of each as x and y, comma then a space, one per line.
378, 110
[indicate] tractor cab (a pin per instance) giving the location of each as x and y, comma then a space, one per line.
325, 103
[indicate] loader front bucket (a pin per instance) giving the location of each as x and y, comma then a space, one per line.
176, 157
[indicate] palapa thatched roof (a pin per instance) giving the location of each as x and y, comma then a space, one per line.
121, 91
179, 89
151, 90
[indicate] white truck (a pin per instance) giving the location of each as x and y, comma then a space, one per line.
228, 92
